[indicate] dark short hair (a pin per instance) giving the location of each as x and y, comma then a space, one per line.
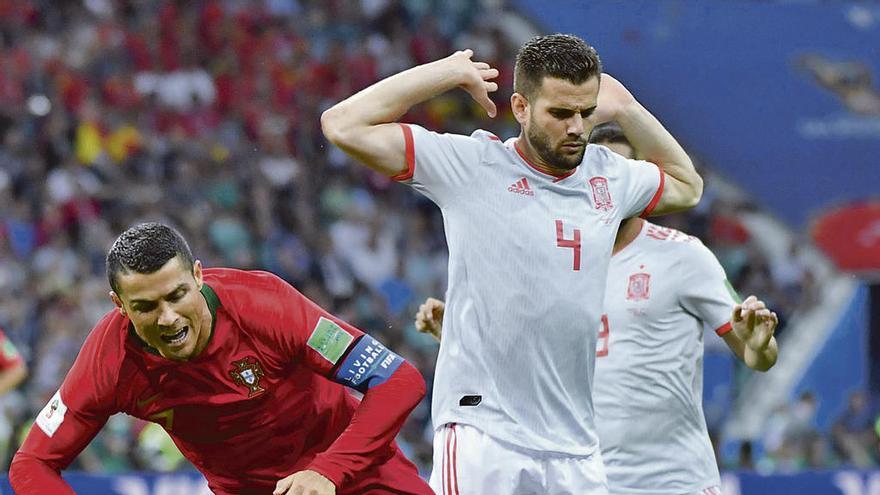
562, 56
609, 132
145, 248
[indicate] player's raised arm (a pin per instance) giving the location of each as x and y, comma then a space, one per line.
363, 125
683, 185
751, 338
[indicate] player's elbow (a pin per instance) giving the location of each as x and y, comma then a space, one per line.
693, 189
417, 381
334, 125
23, 472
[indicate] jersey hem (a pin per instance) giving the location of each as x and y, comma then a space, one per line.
509, 441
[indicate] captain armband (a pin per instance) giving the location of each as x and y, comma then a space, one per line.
369, 363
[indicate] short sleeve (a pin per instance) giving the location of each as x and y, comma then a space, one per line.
641, 183
705, 291
439, 165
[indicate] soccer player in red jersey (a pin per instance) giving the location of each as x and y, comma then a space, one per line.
242, 371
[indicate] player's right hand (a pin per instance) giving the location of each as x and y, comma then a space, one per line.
429, 319
304, 483
476, 79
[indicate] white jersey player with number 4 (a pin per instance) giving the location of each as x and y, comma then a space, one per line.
530, 224
662, 286
526, 274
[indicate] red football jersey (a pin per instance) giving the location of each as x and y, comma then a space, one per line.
257, 404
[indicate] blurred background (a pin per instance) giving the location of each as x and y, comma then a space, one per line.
205, 114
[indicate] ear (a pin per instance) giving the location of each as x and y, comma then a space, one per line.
520, 107
118, 302
197, 273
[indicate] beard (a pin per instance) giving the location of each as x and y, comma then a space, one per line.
540, 142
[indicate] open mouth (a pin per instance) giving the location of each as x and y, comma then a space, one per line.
176, 338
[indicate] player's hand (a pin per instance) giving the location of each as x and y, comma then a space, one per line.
429, 319
476, 79
753, 323
613, 99
304, 483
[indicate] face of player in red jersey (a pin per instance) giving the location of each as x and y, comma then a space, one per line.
554, 122
166, 308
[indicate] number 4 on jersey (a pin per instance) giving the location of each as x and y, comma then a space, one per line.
573, 243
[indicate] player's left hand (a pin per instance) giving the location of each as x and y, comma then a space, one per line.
613, 99
753, 323
304, 483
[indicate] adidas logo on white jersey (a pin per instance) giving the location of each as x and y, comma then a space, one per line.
521, 187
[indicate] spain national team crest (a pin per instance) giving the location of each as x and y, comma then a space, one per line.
248, 372
601, 194
639, 287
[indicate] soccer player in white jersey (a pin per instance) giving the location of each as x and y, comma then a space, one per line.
663, 288
530, 223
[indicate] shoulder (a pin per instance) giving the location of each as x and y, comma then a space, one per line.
107, 338
94, 377
231, 281
685, 249
479, 139
252, 297
599, 160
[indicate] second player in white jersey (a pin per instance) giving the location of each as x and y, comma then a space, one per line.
663, 288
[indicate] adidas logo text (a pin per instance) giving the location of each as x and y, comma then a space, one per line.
521, 187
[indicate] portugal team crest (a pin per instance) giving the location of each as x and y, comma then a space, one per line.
639, 287
601, 194
248, 372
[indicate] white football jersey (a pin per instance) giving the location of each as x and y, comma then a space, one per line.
663, 289
528, 256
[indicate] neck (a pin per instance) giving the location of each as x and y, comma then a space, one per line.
628, 231
535, 160
206, 323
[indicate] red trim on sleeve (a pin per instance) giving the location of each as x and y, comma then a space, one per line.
410, 155
657, 195
723, 329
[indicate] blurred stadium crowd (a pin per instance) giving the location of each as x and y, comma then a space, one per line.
205, 114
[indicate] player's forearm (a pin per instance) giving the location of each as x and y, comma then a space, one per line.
375, 423
11, 378
763, 359
387, 100
29, 475
657, 145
